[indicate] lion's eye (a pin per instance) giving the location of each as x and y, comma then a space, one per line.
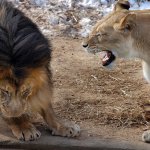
5, 97
26, 93
4, 93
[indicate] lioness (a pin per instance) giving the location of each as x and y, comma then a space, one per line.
25, 76
122, 33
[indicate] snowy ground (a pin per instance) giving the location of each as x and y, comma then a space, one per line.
70, 17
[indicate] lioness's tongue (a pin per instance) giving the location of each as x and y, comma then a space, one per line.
107, 57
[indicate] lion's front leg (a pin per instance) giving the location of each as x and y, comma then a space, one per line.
57, 127
42, 103
22, 128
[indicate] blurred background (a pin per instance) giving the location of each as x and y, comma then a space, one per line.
70, 17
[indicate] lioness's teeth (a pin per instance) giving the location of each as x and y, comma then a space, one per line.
105, 58
103, 54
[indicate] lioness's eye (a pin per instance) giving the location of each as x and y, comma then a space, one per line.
98, 34
101, 34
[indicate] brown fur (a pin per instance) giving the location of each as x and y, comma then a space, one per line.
25, 76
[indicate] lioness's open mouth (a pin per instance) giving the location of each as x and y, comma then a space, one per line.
107, 57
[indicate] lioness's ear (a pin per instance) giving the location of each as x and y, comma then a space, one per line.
126, 24
122, 5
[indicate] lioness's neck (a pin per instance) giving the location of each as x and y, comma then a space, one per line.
141, 36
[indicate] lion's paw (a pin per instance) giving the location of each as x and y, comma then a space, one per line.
26, 133
67, 131
146, 136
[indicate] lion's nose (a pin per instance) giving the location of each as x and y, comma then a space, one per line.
85, 45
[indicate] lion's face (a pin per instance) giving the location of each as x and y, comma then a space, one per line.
112, 37
13, 101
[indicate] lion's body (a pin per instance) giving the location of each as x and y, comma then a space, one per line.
25, 75
126, 34
24, 54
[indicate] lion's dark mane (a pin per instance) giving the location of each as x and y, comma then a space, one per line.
22, 45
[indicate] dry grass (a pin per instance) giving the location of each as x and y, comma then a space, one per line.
84, 91
101, 113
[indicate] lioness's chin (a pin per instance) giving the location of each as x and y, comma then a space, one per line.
110, 66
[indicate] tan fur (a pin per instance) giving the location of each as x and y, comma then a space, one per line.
125, 33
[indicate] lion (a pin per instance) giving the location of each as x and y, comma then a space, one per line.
123, 33
25, 76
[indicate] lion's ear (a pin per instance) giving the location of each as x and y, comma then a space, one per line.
126, 24
122, 5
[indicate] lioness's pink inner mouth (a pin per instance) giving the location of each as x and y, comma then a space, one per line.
107, 57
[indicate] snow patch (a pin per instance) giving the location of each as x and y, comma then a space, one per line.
72, 17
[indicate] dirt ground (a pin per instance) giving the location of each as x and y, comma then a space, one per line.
106, 103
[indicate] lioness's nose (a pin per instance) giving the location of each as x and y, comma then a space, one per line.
85, 45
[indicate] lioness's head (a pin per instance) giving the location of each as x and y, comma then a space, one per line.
112, 36
13, 101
